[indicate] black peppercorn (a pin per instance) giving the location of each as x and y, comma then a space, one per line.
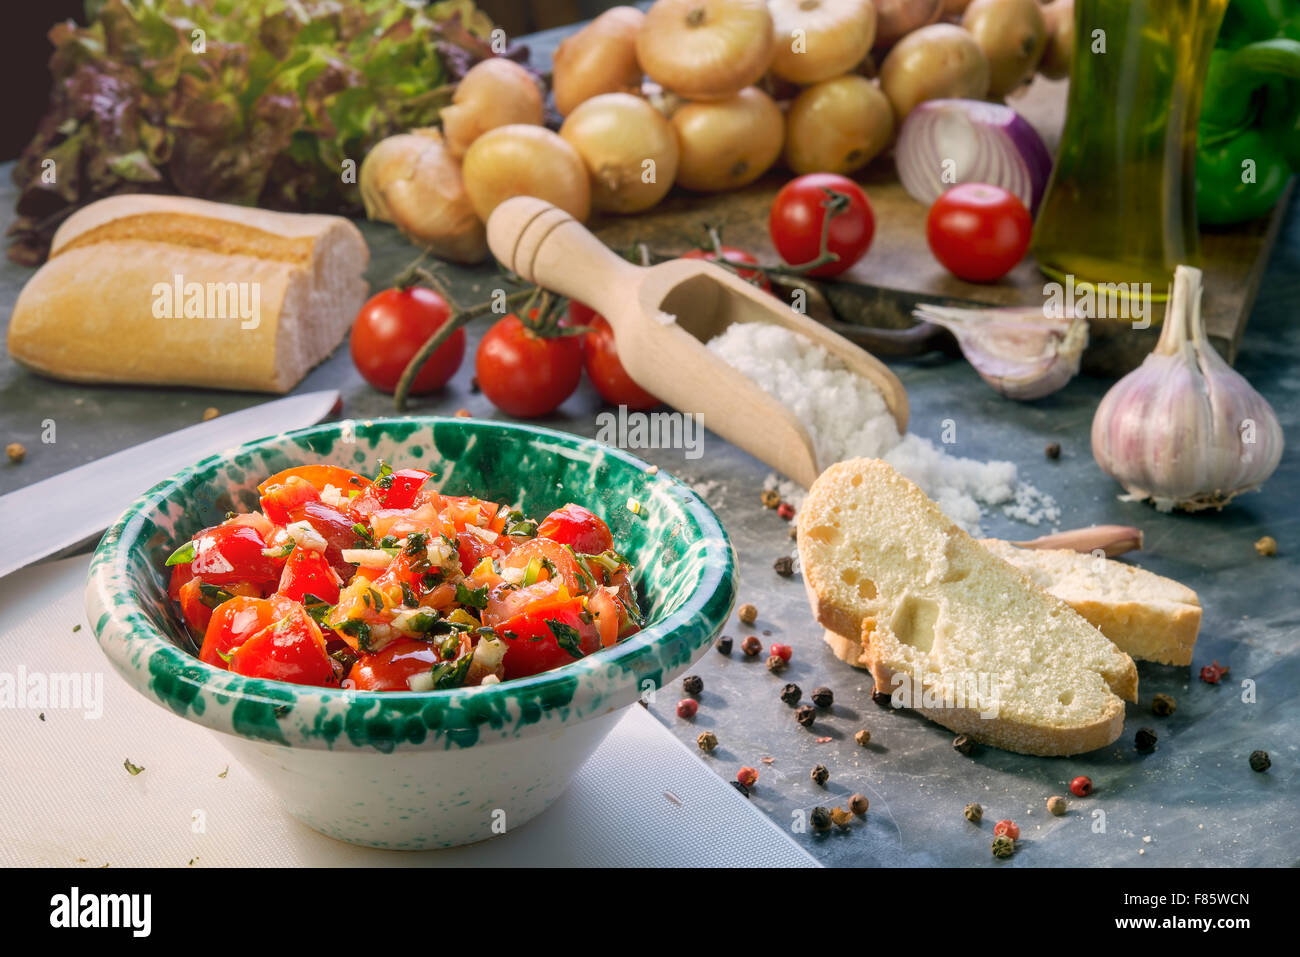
784, 566
1259, 761
791, 694
858, 804
775, 664
963, 744
805, 714
751, 645
823, 697
1145, 740
723, 645
820, 775
740, 787
882, 698
1053, 450
693, 685
820, 819
1163, 705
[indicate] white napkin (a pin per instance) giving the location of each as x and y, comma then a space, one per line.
642, 800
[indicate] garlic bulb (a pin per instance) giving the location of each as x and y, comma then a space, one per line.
1184, 429
1022, 352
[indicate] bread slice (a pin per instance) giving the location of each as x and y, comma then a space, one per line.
951, 629
167, 290
1149, 617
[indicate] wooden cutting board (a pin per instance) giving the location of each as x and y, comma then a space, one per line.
899, 270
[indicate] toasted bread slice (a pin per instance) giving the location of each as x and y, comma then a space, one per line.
951, 629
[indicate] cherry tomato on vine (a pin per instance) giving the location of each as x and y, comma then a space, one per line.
798, 213
741, 258
390, 329
524, 374
600, 356
978, 231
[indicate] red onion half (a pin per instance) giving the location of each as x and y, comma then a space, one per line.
986, 142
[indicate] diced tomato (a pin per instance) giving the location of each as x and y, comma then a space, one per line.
318, 476
505, 603
336, 528
608, 614
403, 521
534, 639
549, 555
232, 553
282, 502
576, 526
471, 550
197, 612
392, 668
308, 573
290, 649
180, 575
406, 484
235, 621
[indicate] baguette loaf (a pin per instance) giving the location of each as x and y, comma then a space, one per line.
951, 629
166, 290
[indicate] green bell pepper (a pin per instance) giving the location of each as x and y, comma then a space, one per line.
1248, 137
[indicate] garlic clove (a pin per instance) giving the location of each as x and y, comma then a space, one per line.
1021, 352
1185, 430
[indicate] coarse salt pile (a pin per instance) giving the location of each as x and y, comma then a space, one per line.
846, 416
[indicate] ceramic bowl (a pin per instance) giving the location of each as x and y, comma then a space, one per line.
434, 769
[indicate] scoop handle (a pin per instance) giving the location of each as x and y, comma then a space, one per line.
543, 244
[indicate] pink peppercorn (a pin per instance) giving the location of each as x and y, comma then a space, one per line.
1008, 828
687, 707
785, 510
777, 650
1081, 786
747, 776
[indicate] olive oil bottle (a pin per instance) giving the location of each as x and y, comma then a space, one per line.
1121, 203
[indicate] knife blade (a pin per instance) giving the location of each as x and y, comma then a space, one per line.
51, 516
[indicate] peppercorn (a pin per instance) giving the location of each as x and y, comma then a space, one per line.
723, 645
16, 452
882, 698
748, 614
784, 652
973, 812
784, 566
863, 737
463, 414
1259, 761
963, 744
858, 804
1053, 450
775, 664
840, 817
1056, 805
747, 776
785, 510
1163, 705
820, 775
474, 386
707, 741
823, 697
820, 819
1081, 786
791, 694
751, 645
687, 707
210, 413
693, 685
794, 532
740, 787
1145, 740
1211, 674
1266, 546
1008, 828
770, 498
1003, 846
805, 714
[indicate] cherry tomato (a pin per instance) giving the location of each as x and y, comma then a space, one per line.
797, 216
234, 622
979, 232
600, 356
317, 476
406, 484
336, 528
733, 255
282, 501
308, 573
540, 640
576, 526
291, 649
391, 668
233, 553
391, 328
523, 374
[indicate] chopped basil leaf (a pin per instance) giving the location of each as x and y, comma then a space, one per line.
317, 607
416, 543
212, 596
357, 629
474, 597
447, 649
363, 531
566, 636
424, 622
183, 555
522, 527
409, 598
388, 541
431, 579
451, 674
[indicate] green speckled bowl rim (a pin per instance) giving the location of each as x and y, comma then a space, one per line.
339, 718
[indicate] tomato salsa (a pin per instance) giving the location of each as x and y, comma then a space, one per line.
384, 584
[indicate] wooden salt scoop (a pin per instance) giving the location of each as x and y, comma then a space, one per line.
663, 315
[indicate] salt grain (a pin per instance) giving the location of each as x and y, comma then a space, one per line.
846, 417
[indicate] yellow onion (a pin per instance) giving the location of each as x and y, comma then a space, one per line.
599, 58
837, 126
819, 39
522, 160
413, 182
1059, 16
895, 19
495, 92
728, 144
706, 49
940, 61
629, 149
1013, 35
